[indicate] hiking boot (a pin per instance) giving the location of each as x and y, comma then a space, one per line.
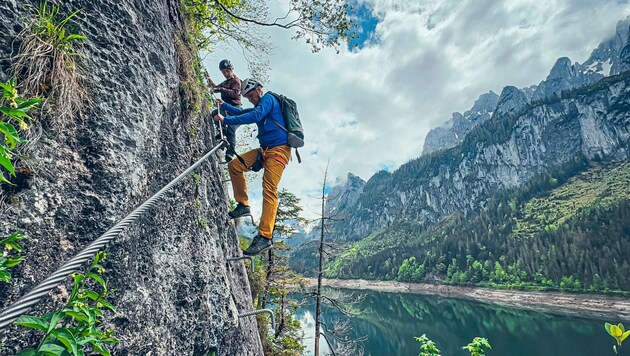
239, 211
259, 244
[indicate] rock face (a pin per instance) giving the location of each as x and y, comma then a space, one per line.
606, 60
453, 132
174, 292
565, 76
343, 196
518, 142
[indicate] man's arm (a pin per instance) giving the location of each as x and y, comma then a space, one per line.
232, 110
231, 89
250, 116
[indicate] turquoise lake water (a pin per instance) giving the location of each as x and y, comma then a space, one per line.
391, 321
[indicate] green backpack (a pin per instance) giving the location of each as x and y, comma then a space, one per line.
294, 128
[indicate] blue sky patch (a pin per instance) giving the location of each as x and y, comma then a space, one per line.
365, 22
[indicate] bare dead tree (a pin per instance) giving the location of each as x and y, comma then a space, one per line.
342, 302
318, 293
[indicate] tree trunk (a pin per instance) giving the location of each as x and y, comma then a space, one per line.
319, 272
263, 300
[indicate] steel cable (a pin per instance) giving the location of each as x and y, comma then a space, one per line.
24, 304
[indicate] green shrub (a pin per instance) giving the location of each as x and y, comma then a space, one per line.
10, 254
13, 111
427, 346
476, 347
76, 329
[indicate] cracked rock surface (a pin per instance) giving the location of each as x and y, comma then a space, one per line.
173, 289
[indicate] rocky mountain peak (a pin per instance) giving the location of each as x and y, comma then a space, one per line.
452, 133
485, 103
344, 195
512, 99
605, 59
354, 182
564, 76
562, 69
611, 57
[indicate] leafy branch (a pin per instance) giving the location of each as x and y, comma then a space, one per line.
76, 329
13, 111
10, 254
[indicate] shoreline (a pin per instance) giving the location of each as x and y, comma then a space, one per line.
610, 309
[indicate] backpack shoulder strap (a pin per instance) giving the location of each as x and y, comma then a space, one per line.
279, 98
277, 123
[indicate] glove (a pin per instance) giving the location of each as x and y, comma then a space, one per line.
214, 113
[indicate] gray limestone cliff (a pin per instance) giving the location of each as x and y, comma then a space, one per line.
609, 58
173, 289
518, 142
343, 196
452, 133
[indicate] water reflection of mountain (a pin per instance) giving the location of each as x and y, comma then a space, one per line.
391, 321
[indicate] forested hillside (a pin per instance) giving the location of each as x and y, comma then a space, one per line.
567, 229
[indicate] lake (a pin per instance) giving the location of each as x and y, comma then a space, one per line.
392, 320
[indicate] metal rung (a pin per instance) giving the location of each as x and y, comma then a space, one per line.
260, 311
251, 260
250, 216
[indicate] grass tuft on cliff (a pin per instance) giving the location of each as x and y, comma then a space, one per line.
47, 64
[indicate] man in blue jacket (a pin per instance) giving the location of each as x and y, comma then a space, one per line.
273, 155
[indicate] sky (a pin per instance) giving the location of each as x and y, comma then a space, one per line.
369, 108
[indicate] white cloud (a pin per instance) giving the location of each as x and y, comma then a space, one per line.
369, 109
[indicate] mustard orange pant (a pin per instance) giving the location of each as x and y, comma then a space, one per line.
276, 158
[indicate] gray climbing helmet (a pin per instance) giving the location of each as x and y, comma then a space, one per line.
249, 84
225, 64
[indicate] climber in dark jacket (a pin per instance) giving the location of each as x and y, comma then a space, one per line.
230, 90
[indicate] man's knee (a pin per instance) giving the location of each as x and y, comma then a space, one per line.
233, 168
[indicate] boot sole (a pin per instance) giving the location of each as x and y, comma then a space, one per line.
259, 252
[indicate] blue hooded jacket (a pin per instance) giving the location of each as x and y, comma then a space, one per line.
269, 134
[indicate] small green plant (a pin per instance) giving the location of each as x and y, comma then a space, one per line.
51, 26
203, 223
76, 329
192, 133
13, 111
10, 254
47, 63
476, 347
196, 179
618, 332
427, 346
